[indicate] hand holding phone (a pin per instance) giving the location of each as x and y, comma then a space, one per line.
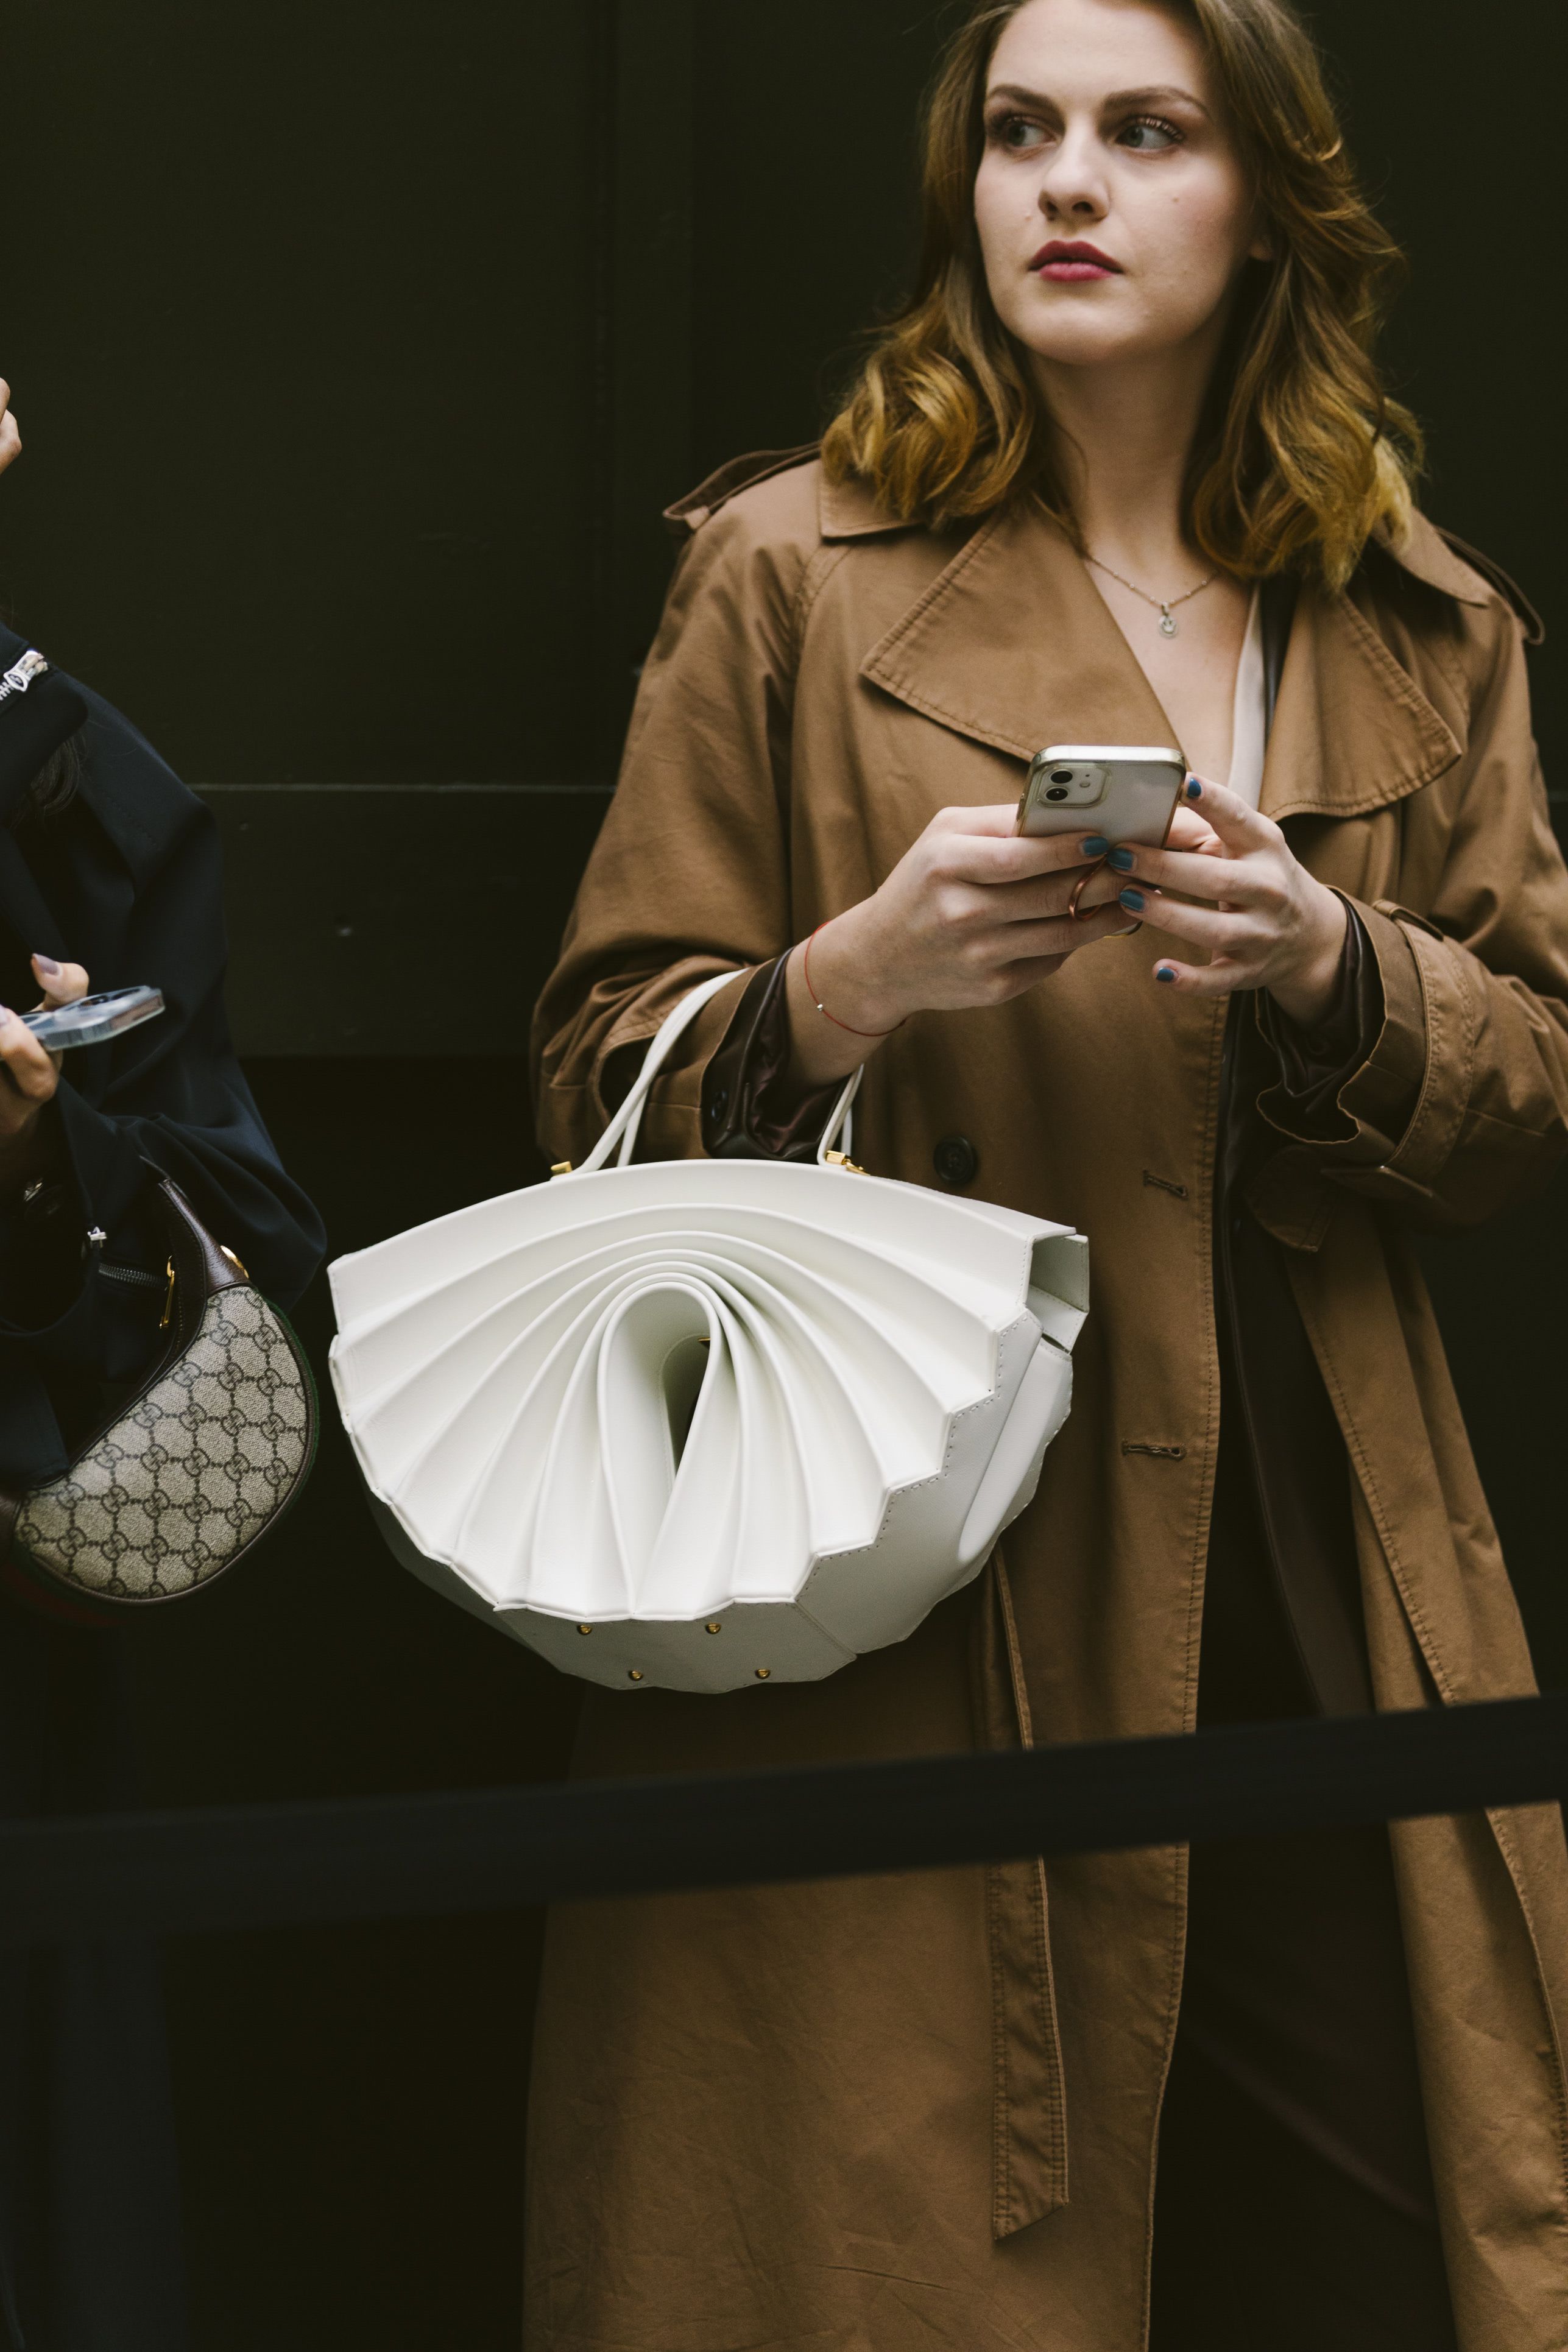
31, 1046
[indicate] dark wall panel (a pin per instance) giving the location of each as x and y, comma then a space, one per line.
424, 919
1436, 97
297, 327
804, 214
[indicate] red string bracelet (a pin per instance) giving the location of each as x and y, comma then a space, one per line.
806, 973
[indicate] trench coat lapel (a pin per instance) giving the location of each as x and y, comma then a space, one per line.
1014, 645
1352, 732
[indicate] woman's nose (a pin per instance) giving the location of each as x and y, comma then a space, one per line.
1074, 185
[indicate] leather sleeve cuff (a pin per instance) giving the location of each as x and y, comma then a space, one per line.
749, 1111
1315, 1064
1354, 1131
1355, 1113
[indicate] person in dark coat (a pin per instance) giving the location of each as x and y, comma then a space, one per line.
110, 874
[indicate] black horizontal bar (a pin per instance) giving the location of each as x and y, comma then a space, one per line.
499, 1849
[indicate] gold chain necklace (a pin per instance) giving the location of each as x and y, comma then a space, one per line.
1165, 606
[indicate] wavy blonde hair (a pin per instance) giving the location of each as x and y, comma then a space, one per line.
1302, 453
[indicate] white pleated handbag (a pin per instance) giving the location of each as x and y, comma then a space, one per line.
707, 1423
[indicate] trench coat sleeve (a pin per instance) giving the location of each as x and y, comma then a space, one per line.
689, 873
1461, 1108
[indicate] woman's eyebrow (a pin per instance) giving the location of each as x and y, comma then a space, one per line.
1014, 93
1165, 94
1160, 95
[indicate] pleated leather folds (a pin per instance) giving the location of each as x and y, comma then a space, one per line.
741, 1421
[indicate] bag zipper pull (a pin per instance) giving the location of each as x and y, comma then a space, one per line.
168, 1300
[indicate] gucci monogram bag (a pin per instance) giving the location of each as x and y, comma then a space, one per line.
192, 1470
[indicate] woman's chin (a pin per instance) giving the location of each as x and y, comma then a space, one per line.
1086, 342
1103, 341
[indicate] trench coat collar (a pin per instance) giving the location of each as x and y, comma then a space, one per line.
1012, 645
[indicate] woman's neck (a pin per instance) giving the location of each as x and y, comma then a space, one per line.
1125, 436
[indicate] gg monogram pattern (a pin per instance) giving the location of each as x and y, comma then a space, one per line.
192, 1471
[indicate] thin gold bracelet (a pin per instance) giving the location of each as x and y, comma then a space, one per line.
845, 1025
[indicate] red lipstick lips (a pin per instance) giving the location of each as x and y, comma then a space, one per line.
1074, 264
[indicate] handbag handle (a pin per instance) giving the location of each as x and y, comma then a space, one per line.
623, 1129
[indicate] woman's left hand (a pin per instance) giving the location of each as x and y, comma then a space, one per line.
1265, 922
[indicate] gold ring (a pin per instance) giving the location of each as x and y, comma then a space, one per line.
1074, 913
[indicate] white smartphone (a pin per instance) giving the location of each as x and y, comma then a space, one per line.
1123, 792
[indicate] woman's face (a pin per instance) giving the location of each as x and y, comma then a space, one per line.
1115, 217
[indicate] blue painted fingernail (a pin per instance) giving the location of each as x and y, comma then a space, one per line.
1194, 790
1132, 900
1162, 971
1122, 859
1096, 846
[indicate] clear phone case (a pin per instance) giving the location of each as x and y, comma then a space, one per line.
92, 1020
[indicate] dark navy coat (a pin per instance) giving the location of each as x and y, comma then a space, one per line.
126, 881
123, 879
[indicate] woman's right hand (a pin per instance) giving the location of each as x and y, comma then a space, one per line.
973, 914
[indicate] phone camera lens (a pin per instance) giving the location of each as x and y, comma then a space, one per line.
1057, 794
1061, 776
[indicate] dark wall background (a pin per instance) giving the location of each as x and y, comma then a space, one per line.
356, 350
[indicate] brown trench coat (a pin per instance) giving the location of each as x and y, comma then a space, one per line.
922, 2111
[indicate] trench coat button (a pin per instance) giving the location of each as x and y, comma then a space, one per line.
719, 1105
956, 1160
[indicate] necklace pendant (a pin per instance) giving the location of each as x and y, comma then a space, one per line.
1167, 621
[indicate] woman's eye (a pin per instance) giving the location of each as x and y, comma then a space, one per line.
1149, 136
1016, 133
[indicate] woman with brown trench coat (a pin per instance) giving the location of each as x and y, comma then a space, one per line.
921, 2111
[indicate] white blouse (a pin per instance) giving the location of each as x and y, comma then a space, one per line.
1249, 727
